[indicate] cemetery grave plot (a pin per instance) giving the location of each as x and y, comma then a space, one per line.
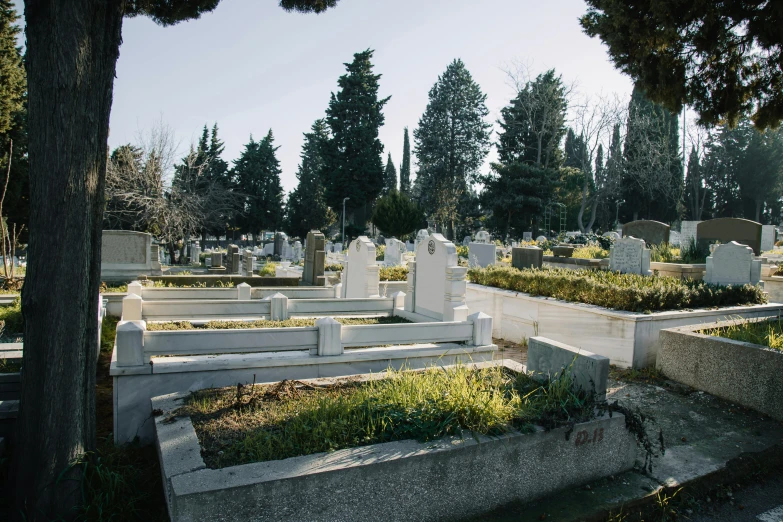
616, 315
450, 441
740, 360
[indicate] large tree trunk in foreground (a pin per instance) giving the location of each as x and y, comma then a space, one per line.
71, 58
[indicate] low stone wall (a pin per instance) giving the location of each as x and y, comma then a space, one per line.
745, 373
447, 479
628, 339
575, 263
679, 270
10, 386
214, 280
773, 285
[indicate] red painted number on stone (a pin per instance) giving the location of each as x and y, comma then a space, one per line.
583, 437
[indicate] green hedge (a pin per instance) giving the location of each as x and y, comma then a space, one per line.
393, 273
634, 293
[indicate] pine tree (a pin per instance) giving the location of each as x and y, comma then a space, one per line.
451, 142
257, 173
218, 168
13, 119
396, 215
652, 181
306, 208
354, 167
389, 177
405, 166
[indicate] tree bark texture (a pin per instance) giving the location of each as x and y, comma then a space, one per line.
72, 51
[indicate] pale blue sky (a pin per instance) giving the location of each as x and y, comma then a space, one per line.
250, 66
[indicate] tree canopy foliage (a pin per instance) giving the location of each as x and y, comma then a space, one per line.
721, 58
396, 215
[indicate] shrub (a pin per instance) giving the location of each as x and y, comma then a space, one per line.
394, 273
267, 269
334, 267
664, 253
630, 292
765, 333
590, 252
463, 251
692, 253
379, 252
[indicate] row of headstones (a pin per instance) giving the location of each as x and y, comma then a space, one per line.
436, 283
760, 238
729, 263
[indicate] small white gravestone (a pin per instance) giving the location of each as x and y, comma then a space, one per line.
540, 239
361, 274
481, 254
410, 246
483, 237
527, 236
768, 233
628, 255
733, 264
466, 241
421, 235
297, 251
612, 235
268, 250
436, 284
338, 248
392, 254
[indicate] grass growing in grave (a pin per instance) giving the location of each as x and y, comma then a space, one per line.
764, 333
290, 418
268, 269
393, 273
11, 321
7, 366
630, 292
263, 323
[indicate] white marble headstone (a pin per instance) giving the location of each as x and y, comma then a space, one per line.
482, 236
628, 255
768, 233
439, 284
360, 274
540, 239
481, 255
733, 264
527, 236
392, 254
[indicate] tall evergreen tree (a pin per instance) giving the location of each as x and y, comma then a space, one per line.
652, 182
532, 126
405, 166
218, 168
306, 208
13, 119
354, 167
389, 176
695, 191
451, 142
257, 173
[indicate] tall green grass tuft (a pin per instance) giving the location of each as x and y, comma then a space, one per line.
664, 253
291, 419
764, 333
630, 292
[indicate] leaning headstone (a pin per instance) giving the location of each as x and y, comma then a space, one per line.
436, 284
527, 236
125, 255
653, 232
527, 257
733, 264
725, 230
768, 233
482, 254
392, 254
483, 237
628, 255
315, 260
547, 358
360, 276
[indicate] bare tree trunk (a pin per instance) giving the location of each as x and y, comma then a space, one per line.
583, 205
71, 61
592, 214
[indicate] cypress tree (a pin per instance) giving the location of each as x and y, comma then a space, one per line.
405, 167
257, 172
354, 167
451, 142
389, 176
306, 208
